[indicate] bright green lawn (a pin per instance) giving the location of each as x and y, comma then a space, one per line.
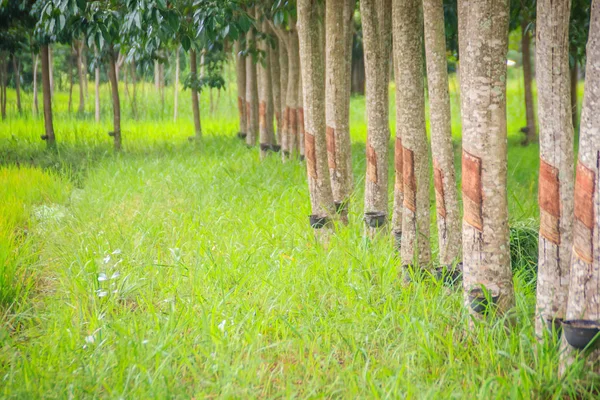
176, 270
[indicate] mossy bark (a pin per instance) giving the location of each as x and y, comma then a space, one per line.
486, 255
448, 213
338, 45
377, 39
556, 161
410, 102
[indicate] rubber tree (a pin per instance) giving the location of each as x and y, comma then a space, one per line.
447, 208
584, 287
377, 38
483, 37
265, 95
410, 102
338, 44
252, 124
556, 161
276, 85
310, 22
240, 72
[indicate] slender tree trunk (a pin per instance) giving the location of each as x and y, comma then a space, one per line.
530, 129
410, 102
161, 69
134, 90
483, 75
276, 85
156, 76
82, 77
46, 89
85, 69
339, 26
313, 71
284, 71
70, 74
51, 68
195, 102
448, 213
3, 79
175, 85
17, 73
114, 85
265, 93
377, 33
36, 109
584, 288
240, 72
300, 115
574, 109
291, 102
97, 93
251, 96
556, 161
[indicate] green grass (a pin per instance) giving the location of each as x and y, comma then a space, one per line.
175, 270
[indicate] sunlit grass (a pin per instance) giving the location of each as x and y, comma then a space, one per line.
178, 270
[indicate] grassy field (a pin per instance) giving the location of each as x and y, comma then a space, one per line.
180, 270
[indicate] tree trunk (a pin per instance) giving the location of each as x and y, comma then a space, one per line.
97, 92
16, 71
81, 74
291, 102
114, 85
36, 109
486, 255
195, 102
51, 68
85, 69
556, 161
3, 79
134, 90
410, 127
276, 85
377, 20
448, 213
584, 288
313, 71
283, 79
161, 69
156, 76
300, 115
175, 85
251, 96
240, 72
339, 26
46, 90
70, 75
530, 129
264, 97
574, 109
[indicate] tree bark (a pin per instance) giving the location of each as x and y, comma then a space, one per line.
17, 73
46, 90
156, 76
556, 161
574, 108
530, 130
486, 255
3, 83
291, 102
448, 213
81, 74
377, 20
36, 109
283, 79
313, 71
265, 96
70, 75
240, 71
51, 68
584, 288
175, 85
410, 110
251, 96
195, 102
276, 86
97, 92
300, 115
339, 14
114, 85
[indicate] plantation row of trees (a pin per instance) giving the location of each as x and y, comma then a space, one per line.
294, 76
